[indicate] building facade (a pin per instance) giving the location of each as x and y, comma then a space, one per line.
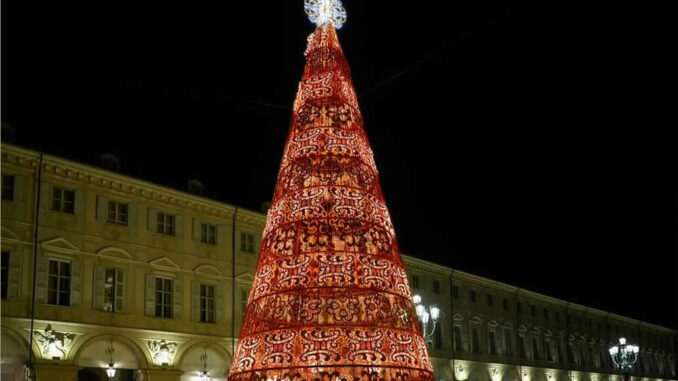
162, 277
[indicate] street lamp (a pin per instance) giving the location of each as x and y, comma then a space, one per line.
624, 356
426, 314
204, 375
110, 370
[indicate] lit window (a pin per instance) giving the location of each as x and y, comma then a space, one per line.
207, 303
113, 290
208, 234
117, 212
63, 200
59, 283
7, 187
165, 224
163, 297
247, 242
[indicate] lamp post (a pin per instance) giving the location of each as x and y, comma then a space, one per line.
426, 314
624, 356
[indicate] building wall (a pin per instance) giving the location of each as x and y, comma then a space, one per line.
73, 338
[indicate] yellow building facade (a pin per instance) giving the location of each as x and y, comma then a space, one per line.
162, 276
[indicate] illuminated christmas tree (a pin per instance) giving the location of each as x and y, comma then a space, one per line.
330, 298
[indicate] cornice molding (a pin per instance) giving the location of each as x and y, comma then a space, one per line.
127, 186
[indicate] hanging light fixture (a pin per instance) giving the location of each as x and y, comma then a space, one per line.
204, 375
110, 370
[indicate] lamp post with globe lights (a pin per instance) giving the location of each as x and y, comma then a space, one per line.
624, 356
428, 317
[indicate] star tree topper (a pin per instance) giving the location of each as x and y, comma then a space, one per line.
322, 11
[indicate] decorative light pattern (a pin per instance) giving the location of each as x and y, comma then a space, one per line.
322, 11
330, 298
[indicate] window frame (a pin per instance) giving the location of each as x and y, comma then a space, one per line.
7, 191
207, 313
208, 233
166, 223
59, 201
162, 294
120, 211
59, 277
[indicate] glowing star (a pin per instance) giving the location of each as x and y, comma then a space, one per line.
322, 11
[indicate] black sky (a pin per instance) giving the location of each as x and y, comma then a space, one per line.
534, 145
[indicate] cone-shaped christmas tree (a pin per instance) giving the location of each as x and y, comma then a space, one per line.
330, 298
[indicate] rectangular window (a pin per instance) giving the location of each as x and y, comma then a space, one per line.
519, 308
438, 337
113, 290
493, 343
163, 297
557, 316
207, 314
247, 242
535, 349
208, 234
63, 200
523, 347
507, 342
4, 274
533, 310
490, 301
117, 212
547, 349
436, 287
455, 292
458, 344
504, 304
415, 282
8, 187
59, 283
476, 340
165, 223
472, 295
546, 314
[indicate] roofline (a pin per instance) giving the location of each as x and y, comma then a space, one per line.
413, 261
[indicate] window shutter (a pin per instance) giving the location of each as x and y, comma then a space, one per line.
179, 226
102, 208
14, 275
99, 283
19, 191
177, 295
196, 230
150, 295
131, 214
195, 299
125, 281
219, 303
152, 220
80, 203
45, 195
41, 279
76, 282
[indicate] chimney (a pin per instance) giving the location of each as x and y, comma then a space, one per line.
110, 161
196, 187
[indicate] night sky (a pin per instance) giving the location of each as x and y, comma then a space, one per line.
534, 145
